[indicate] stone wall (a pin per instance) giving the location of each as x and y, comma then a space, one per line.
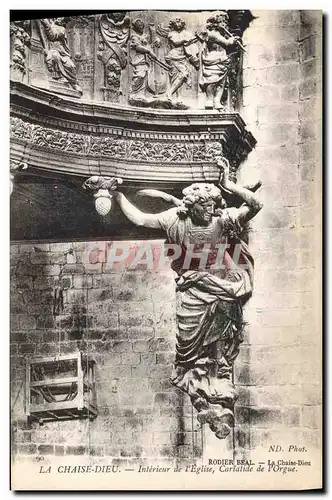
126, 322
279, 369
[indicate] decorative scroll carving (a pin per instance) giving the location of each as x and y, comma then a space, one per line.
112, 51
151, 151
116, 147
206, 151
58, 57
20, 33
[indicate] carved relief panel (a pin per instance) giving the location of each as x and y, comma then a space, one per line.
156, 59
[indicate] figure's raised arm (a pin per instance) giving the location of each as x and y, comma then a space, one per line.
134, 214
251, 204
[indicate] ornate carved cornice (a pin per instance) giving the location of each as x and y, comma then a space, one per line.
79, 138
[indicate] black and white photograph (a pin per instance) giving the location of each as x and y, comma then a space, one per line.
166, 250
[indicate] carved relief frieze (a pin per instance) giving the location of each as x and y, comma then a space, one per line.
117, 147
188, 61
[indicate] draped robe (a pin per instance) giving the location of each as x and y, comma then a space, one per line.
209, 312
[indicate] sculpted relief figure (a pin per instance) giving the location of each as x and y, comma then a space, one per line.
211, 290
183, 53
58, 57
149, 76
216, 61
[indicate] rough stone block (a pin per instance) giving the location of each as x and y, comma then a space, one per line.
283, 74
309, 48
43, 283
312, 417
46, 449
160, 344
107, 320
76, 450
286, 52
290, 92
75, 297
130, 358
311, 22
141, 346
45, 321
310, 110
27, 449
258, 417
309, 88
49, 270
82, 281
286, 113
311, 69
310, 130
27, 348
60, 247
291, 416
277, 135
47, 349
27, 322
40, 258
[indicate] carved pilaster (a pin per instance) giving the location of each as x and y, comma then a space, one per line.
20, 36
112, 51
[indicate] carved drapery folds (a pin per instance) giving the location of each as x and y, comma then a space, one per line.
58, 57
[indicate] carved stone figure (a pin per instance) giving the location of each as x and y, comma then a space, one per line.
58, 57
210, 296
183, 53
20, 38
112, 50
147, 67
216, 62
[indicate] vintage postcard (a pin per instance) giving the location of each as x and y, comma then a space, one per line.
166, 250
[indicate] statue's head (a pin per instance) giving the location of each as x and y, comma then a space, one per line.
199, 203
60, 21
177, 24
138, 26
217, 22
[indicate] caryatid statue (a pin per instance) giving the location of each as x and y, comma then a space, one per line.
215, 279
